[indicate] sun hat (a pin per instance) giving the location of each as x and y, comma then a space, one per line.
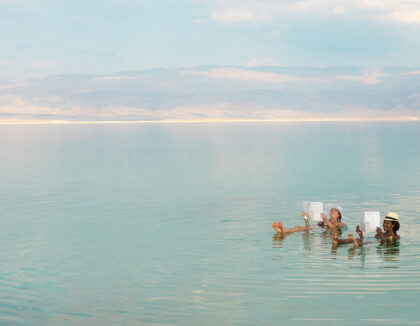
391, 216
329, 207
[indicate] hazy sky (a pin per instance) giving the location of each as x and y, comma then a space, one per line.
44, 37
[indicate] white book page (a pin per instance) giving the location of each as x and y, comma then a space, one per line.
307, 208
371, 221
316, 210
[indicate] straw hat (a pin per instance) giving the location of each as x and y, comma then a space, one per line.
391, 216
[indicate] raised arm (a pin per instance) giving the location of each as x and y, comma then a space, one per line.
359, 232
381, 235
306, 220
326, 222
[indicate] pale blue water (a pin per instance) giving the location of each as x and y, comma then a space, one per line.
171, 224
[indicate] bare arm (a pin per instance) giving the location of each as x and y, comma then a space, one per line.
359, 232
385, 238
353, 239
381, 235
328, 223
306, 220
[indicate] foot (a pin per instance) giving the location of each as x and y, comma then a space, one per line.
281, 227
276, 227
334, 238
352, 238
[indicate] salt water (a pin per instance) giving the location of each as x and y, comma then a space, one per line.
171, 224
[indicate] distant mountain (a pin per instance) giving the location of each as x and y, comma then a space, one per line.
214, 92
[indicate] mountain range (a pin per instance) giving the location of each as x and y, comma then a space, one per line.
218, 93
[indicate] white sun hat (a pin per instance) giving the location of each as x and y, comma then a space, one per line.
329, 207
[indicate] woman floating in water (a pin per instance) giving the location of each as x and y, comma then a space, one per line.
389, 235
333, 222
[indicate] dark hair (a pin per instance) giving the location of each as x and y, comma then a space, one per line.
396, 226
339, 213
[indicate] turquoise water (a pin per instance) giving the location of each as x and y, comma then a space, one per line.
171, 224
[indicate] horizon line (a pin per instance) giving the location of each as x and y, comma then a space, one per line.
176, 121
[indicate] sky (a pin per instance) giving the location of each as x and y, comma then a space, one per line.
40, 38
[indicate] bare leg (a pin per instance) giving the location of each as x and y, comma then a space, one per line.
359, 232
297, 228
279, 228
353, 239
336, 241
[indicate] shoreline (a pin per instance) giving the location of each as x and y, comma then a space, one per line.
68, 122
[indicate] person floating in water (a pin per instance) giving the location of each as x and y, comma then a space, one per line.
388, 235
333, 222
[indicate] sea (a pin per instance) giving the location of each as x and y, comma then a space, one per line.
170, 224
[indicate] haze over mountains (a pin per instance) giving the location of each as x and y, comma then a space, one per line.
216, 92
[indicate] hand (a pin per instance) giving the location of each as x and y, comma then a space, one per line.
324, 217
303, 215
379, 231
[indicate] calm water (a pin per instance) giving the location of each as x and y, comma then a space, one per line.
171, 224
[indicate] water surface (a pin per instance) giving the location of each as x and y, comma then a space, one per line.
171, 224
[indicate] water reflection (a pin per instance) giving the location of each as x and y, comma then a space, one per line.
370, 252
278, 239
308, 239
389, 252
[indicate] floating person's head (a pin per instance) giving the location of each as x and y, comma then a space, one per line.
335, 213
391, 222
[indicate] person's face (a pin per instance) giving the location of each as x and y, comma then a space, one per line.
388, 226
334, 214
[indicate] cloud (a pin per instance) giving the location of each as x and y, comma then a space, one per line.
105, 78
396, 11
249, 75
264, 11
417, 72
13, 85
369, 77
405, 17
339, 10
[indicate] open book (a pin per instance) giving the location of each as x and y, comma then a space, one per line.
313, 210
370, 221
